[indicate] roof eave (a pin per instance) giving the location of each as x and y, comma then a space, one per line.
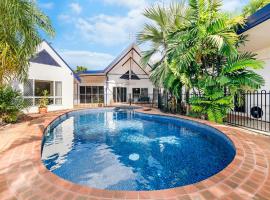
257, 18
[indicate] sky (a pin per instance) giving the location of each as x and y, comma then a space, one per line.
92, 33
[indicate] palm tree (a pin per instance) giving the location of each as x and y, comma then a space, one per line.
201, 53
206, 48
163, 20
20, 25
253, 6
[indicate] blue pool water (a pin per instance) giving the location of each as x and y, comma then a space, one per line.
125, 150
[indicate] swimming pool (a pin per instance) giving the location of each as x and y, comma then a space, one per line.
126, 150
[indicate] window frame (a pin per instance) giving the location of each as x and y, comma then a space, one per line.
34, 99
89, 96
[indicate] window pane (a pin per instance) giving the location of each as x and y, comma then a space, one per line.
88, 98
58, 101
101, 98
88, 90
82, 98
58, 88
28, 88
135, 93
95, 99
94, 90
41, 86
114, 94
29, 101
144, 92
101, 90
82, 89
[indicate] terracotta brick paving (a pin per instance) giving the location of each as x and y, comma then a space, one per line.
23, 176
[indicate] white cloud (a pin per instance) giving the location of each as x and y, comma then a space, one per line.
49, 5
233, 5
92, 60
76, 8
111, 30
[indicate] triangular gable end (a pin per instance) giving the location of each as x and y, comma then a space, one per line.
46, 48
43, 57
132, 47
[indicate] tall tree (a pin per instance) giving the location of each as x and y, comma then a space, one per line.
163, 20
20, 24
80, 69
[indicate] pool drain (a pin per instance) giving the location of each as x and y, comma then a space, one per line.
134, 156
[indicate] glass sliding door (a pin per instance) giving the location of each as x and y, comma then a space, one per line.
119, 94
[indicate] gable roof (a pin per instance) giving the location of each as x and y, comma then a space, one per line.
119, 58
257, 18
43, 57
131, 47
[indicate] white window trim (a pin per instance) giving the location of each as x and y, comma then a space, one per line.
49, 97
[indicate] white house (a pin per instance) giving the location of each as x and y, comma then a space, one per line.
124, 80
48, 71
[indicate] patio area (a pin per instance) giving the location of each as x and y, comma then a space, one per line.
23, 176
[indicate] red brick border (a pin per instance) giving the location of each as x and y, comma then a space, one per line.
23, 176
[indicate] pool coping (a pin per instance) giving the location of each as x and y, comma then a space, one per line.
249, 163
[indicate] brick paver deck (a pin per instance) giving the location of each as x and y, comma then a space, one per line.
23, 176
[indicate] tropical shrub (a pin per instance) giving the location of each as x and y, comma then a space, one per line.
202, 55
11, 104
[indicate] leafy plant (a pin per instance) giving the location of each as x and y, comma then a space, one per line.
11, 104
235, 76
44, 100
200, 53
20, 24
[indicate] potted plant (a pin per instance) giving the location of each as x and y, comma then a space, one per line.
43, 103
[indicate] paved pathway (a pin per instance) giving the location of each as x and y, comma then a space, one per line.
23, 176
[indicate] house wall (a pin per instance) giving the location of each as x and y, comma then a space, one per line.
52, 73
121, 68
264, 55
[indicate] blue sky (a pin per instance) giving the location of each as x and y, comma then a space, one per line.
93, 32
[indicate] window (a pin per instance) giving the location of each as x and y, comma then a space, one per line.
91, 94
139, 92
33, 90
41, 86
144, 92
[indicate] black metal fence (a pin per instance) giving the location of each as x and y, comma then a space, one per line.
251, 109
